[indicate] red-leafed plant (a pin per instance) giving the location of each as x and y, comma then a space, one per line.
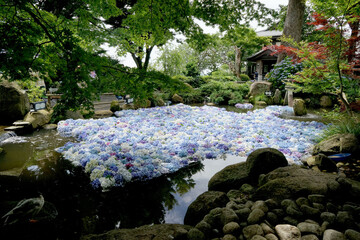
331, 65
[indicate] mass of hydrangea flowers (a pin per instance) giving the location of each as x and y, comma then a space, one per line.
138, 145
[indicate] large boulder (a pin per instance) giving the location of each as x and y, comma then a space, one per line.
295, 181
299, 107
326, 102
177, 99
14, 102
157, 231
38, 119
258, 88
322, 162
203, 204
231, 177
338, 143
260, 161
264, 160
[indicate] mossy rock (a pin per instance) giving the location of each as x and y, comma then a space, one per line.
115, 106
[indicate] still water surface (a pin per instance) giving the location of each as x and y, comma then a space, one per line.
80, 209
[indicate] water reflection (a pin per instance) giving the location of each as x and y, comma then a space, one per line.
80, 209
83, 210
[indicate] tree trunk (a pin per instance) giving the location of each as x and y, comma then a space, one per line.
353, 39
147, 57
237, 61
293, 22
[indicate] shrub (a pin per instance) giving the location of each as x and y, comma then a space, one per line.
225, 92
281, 72
244, 77
194, 96
195, 82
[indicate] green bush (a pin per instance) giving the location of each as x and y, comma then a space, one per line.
244, 77
225, 92
281, 72
194, 96
34, 93
195, 82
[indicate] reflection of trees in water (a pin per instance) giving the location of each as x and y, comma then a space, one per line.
83, 210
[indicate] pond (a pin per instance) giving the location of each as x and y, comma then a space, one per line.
79, 208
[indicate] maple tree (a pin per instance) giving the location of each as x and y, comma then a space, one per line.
330, 66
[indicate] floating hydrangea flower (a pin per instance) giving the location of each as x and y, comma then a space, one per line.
244, 105
146, 143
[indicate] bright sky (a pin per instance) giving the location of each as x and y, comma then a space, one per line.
128, 61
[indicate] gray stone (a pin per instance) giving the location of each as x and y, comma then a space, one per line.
349, 208
277, 97
271, 236
256, 216
266, 228
331, 234
259, 87
203, 204
228, 215
232, 205
114, 106
204, 227
302, 201
272, 218
195, 234
351, 234
316, 198
213, 218
264, 160
291, 220
322, 162
235, 194
294, 212
326, 102
344, 219
177, 99
291, 181
39, 118
288, 203
243, 213
299, 107
312, 228
328, 217
50, 126
309, 211
157, 231
309, 237
14, 102
319, 206
279, 212
247, 188
258, 237
260, 205
231, 228
228, 237
249, 204
252, 230
231, 177
324, 226
346, 143
271, 203
287, 232
331, 207
102, 114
